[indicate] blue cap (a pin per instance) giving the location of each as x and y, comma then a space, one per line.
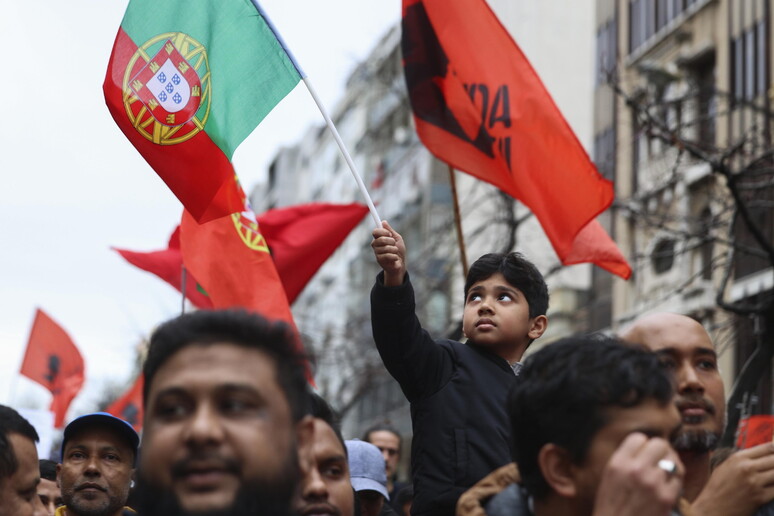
102, 420
366, 467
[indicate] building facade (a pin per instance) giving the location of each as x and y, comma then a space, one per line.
681, 122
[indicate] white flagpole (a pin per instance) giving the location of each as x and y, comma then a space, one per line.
344, 151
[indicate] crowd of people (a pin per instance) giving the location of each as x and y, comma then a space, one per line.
590, 425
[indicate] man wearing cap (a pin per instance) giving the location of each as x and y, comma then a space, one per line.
368, 478
99, 452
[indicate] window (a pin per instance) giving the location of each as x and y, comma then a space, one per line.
706, 248
649, 17
748, 63
604, 152
607, 52
663, 256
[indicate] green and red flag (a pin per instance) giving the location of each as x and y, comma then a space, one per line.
479, 106
187, 82
53, 361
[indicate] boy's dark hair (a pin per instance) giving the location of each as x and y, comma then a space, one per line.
320, 409
11, 422
47, 469
382, 427
564, 391
252, 331
519, 272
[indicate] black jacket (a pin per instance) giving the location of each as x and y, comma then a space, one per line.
457, 393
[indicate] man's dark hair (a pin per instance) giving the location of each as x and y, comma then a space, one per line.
382, 427
322, 410
238, 327
564, 391
518, 272
47, 469
11, 422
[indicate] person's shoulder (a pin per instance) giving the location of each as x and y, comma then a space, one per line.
511, 501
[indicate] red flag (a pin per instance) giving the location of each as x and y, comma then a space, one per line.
53, 360
755, 430
167, 264
479, 106
302, 237
230, 258
129, 406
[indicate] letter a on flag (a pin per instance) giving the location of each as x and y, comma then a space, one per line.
480, 107
53, 360
187, 82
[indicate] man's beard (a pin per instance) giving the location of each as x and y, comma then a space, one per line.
696, 441
83, 508
265, 497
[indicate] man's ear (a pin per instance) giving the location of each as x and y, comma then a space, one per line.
537, 327
556, 467
58, 474
305, 443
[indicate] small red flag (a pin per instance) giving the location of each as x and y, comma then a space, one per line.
167, 264
129, 406
479, 106
755, 430
302, 237
53, 360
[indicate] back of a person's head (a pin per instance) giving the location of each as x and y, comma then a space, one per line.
47, 469
381, 427
518, 272
11, 422
240, 328
564, 391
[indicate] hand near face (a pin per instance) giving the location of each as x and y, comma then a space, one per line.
740, 485
633, 484
390, 252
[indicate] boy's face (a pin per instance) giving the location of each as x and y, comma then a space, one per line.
496, 315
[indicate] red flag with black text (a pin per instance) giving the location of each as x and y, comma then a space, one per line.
480, 106
129, 406
53, 361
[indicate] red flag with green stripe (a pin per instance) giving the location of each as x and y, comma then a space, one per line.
187, 82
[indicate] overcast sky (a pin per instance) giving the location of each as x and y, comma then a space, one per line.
72, 184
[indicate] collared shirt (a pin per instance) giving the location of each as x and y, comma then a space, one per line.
516, 366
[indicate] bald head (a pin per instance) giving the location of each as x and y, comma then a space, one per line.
656, 330
685, 347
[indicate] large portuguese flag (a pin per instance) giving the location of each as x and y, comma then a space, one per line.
187, 82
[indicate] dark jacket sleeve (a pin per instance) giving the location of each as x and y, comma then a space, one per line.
419, 364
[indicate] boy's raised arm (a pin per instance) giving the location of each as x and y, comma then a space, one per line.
390, 252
